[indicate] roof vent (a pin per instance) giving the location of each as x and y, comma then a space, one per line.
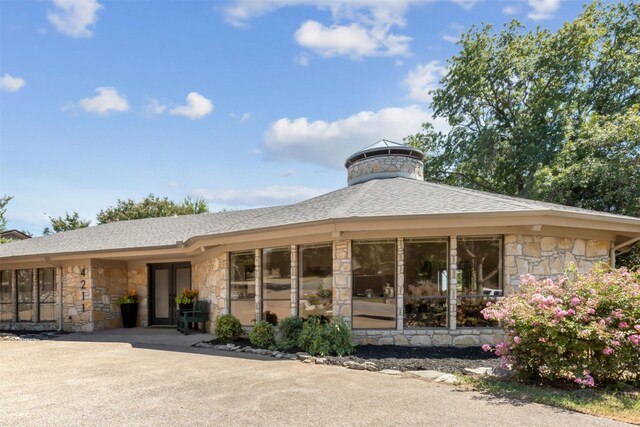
385, 159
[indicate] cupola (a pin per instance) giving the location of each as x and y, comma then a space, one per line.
385, 159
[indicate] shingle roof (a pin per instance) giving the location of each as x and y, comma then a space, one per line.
376, 198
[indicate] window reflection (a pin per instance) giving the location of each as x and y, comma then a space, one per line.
315, 294
242, 287
276, 284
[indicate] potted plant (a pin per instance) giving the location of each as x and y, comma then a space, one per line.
128, 303
188, 298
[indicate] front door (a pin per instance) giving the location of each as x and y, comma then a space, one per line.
166, 282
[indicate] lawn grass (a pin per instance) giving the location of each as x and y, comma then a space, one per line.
614, 404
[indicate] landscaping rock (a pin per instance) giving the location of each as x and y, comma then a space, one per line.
319, 360
354, 365
303, 356
426, 375
448, 379
483, 370
390, 372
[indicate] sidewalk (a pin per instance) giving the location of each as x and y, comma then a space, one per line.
140, 336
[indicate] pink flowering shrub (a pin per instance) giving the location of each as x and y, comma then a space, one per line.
585, 330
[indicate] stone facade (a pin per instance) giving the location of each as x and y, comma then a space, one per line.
76, 298
137, 279
109, 282
342, 279
549, 256
385, 167
211, 278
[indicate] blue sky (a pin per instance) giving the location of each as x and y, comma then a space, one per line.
244, 103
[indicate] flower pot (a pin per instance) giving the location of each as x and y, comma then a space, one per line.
186, 306
129, 315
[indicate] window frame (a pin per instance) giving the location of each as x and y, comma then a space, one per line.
231, 275
395, 283
39, 293
263, 258
12, 298
446, 298
300, 267
486, 298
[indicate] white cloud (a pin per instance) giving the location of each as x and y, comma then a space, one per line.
542, 9
263, 196
197, 107
302, 59
245, 117
8, 83
154, 107
330, 143
107, 100
354, 40
466, 4
73, 17
450, 38
423, 79
510, 10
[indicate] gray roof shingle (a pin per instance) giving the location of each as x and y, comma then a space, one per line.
376, 198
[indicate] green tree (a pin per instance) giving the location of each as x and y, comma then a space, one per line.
544, 115
4, 201
69, 222
151, 207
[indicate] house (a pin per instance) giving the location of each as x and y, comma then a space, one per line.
404, 261
13, 235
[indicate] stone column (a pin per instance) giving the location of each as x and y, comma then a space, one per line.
453, 281
400, 286
294, 280
342, 279
258, 278
14, 294
35, 310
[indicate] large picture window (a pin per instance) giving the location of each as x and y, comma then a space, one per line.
276, 284
242, 287
315, 280
374, 285
24, 280
6, 296
426, 280
479, 278
47, 293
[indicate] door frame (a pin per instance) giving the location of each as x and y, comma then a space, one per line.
172, 267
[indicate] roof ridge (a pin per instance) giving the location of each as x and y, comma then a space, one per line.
361, 190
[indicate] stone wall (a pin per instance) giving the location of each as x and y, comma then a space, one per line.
385, 167
137, 279
109, 283
549, 256
77, 298
342, 279
211, 278
465, 337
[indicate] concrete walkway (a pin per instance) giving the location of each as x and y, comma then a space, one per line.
90, 380
155, 336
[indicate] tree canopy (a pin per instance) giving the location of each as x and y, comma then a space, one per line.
66, 223
552, 116
151, 207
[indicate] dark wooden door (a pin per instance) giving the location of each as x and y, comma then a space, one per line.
166, 281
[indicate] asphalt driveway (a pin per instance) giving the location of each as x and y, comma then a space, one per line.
55, 383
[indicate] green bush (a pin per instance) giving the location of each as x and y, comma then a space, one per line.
341, 337
320, 338
314, 337
228, 328
290, 329
263, 335
584, 329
